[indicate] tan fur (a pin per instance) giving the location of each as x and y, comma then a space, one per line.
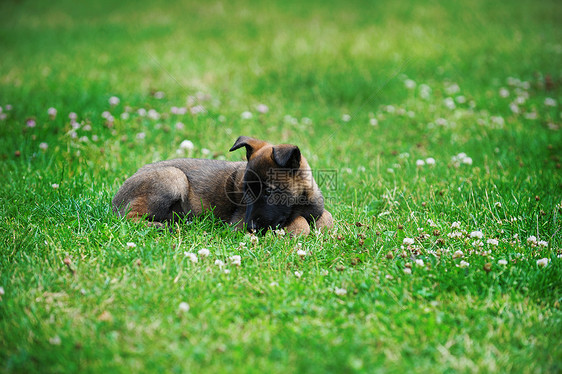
299, 226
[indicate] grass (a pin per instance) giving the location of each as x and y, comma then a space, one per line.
368, 91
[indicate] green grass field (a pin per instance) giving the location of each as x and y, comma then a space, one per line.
435, 132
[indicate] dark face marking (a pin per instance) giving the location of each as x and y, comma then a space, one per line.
277, 187
278, 192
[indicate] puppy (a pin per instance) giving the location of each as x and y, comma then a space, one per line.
273, 189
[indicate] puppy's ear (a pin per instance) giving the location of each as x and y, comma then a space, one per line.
251, 144
287, 156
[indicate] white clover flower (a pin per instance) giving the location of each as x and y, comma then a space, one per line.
52, 112
430, 161
179, 126
477, 234
236, 260
549, 102
246, 115
498, 121
504, 92
513, 81
183, 307
55, 340
191, 256
531, 115
467, 161
55, 186
542, 243
131, 245
407, 271
205, 151
463, 264
346, 117
452, 88
340, 291
478, 243
204, 252
114, 100
125, 116
31, 123
274, 284
373, 122
219, 263
301, 253
254, 240
408, 241
141, 112
420, 163
543, 262
141, 135
262, 108
532, 240
502, 262
159, 95
419, 262
298, 274
449, 103
455, 234
425, 91
197, 109
460, 99
187, 145
493, 242
2, 291
410, 84
290, 119
498, 204
458, 254
455, 225
153, 114
278, 232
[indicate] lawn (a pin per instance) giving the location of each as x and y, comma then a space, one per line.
434, 131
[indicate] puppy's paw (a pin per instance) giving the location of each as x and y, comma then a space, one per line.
299, 226
325, 222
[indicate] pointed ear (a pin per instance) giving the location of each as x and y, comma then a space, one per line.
251, 144
287, 156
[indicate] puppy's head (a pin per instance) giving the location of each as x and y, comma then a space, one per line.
278, 185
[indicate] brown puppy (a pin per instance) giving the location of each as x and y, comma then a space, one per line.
273, 189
